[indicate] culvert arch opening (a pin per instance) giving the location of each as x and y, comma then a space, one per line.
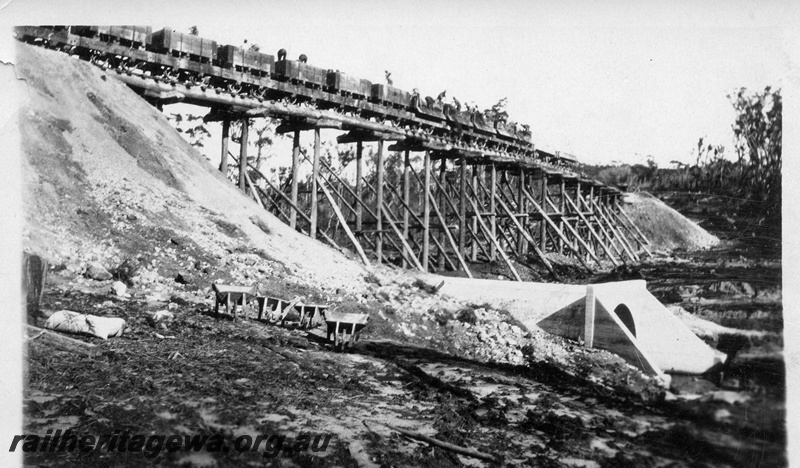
624, 314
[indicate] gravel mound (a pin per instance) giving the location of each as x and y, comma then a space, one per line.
663, 226
107, 177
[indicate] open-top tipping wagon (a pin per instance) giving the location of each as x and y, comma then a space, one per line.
345, 323
231, 296
310, 314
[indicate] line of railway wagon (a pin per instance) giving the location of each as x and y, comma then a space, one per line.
173, 56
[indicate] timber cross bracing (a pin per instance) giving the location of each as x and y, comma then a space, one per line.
452, 209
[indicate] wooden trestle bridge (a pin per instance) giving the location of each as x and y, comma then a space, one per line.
464, 205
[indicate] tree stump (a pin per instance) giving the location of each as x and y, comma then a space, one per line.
34, 275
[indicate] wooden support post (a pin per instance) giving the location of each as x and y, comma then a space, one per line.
475, 240
443, 215
295, 174
586, 204
223, 163
462, 208
493, 209
521, 209
542, 225
406, 196
495, 229
359, 175
561, 210
243, 155
426, 211
577, 208
513, 244
379, 203
314, 189
429, 197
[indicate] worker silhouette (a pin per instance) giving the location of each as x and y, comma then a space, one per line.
282, 54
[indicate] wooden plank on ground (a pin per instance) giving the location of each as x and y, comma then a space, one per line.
62, 342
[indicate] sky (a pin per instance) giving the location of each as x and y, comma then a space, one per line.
613, 81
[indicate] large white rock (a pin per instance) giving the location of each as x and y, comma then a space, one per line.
74, 322
119, 288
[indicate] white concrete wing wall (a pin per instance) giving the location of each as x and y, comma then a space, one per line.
659, 334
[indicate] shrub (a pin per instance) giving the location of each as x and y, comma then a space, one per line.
126, 270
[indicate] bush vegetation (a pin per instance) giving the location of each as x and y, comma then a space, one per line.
753, 175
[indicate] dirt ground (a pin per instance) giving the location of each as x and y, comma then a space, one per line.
108, 181
561, 406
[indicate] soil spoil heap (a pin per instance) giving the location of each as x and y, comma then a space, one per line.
664, 227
